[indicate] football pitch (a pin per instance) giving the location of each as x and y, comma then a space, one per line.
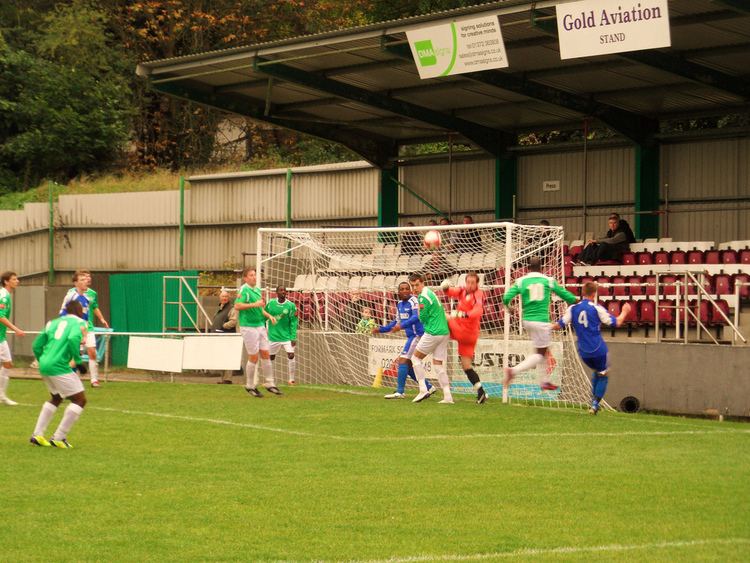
176, 472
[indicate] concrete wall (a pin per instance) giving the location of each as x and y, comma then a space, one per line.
681, 378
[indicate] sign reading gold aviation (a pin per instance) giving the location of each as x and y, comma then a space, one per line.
602, 27
464, 45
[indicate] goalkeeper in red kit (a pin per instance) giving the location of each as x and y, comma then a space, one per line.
464, 326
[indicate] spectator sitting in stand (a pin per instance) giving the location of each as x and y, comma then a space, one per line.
611, 246
447, 238
469, 240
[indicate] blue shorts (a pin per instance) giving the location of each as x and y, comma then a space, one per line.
597, 363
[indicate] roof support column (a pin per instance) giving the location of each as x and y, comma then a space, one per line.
506, 186
388, 199
647, 191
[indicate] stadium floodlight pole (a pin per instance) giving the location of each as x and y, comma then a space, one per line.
51, 247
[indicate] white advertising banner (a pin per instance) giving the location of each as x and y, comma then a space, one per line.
603, 27
465, 45
489, 358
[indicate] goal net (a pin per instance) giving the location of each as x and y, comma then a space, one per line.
344, 282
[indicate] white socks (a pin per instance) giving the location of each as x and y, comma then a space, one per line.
419, 372
250, 377
4, 377
445, 383
45, 416
292, 368
93, 370
530, 362
267, 369
72, 413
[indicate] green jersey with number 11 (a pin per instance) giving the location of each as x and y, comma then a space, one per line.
535, 290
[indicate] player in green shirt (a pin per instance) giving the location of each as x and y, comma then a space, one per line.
434, 340
55, 347
82, 292
10, 282
535, 290
284, 332
252, 320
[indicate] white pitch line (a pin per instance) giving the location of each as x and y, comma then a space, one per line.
565, 550
504, 435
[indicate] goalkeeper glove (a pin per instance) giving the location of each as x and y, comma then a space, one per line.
445, 284
458, 314
82, 369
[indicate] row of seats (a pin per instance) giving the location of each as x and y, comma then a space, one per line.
654, 245
643, 312
311, 282
640, 286
338, 306
479, 261
642, 258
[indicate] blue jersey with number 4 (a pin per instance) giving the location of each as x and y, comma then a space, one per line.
586, 319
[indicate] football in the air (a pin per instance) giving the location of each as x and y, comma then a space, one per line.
432, 239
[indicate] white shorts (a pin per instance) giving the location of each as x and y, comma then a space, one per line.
539, 332
409, 346
255, 338
435, 345
5, 352
64, 385
274, 347
91, 340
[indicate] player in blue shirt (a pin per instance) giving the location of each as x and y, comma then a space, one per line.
586, 318
408, 321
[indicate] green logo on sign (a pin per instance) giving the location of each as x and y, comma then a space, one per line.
425, 52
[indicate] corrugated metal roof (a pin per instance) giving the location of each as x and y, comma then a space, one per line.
346, 89
338, 166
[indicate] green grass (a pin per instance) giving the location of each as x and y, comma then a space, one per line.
176, 472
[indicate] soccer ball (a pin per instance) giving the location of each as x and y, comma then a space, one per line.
432, 239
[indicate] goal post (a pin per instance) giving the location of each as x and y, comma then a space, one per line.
344, 281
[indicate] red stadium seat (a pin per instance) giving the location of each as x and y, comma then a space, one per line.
695, 257
723, 284
650, 283
636, 285
704, 314
716, 318
744, 256
678, 257
666, 312
712, 257
628, 259
661, 257
646, 312
644, 258
572, 284
567, 266
729, 257
668, 285
614, 307
619, 289
632, 317
574, 251
604, 290
743, 281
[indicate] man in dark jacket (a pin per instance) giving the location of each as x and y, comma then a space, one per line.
225, 319
612, 246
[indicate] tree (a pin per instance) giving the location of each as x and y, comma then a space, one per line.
63, 107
